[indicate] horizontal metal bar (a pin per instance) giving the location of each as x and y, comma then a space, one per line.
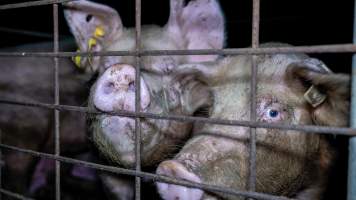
305, 128
14, 195
147, 176
31, 3
26, 32
334, 48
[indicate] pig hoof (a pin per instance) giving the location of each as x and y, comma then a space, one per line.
176, 192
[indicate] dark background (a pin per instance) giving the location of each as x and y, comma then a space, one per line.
302, 22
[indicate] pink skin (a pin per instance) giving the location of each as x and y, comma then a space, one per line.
173, 192
115, 90
39, 179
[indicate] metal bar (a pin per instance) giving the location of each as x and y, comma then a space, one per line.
26, 32
138, 100
14, 195
304, 128
148, 176
56, 102
351, 182
1, 165
334, 48
31, 3
253, 106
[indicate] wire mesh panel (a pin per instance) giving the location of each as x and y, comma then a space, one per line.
138, 115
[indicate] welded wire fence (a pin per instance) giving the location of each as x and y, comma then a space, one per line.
138, 115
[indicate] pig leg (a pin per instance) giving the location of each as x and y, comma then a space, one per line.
39, 179
118, 187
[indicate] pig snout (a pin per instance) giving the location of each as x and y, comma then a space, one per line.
115, 90
176, 192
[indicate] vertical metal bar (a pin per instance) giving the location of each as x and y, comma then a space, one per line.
351, 185
1, 164
255, 44
138, 100
56, 102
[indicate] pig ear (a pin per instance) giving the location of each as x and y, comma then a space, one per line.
93, 26
207, 72
196, 97
327, 93
200, 24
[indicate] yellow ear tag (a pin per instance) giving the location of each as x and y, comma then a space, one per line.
91, 43
99, 32
77, 60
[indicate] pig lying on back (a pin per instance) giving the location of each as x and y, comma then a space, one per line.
292, 89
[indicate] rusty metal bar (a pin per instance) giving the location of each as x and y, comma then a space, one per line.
56, 102
138, 100
304, 128
14, 195
148, 176
31, 3
333, 48
253, 85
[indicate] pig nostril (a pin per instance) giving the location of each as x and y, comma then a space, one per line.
109, 87
132, 86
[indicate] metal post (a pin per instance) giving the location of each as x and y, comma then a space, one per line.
255, 44
351, 189
1, 165
56, 102
138, 100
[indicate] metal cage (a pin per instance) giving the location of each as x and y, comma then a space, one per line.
138, 53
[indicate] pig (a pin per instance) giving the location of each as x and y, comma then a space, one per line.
97, 27
292, 89
160, 94
198, 24
30, 79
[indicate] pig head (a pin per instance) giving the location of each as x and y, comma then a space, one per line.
198, 24
160, 94
292, 89
96, 27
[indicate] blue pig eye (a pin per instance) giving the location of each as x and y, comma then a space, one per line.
273, 113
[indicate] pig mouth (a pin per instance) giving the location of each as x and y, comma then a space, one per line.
120, 134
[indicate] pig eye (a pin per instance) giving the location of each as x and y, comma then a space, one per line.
132, 86
273, 113
88, 18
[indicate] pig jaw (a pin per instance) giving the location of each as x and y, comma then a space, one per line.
114, 136
174, 192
